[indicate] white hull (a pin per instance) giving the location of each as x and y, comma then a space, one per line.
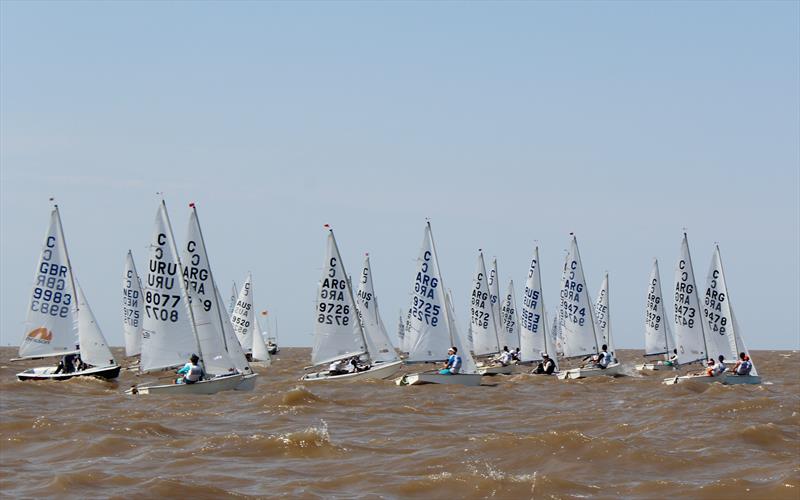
211, 386
261, 364
728, 379
576, 373
471, 379
496, 370
654, 367
377, 372
248, 382
48, 373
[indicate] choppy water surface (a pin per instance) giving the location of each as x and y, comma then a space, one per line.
514, 437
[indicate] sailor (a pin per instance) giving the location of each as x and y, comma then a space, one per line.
720, 367
504, 358
673, 360
516, 356
338, 367
711, 369
743, 365
191, 371
546, 367
604, 358
453, 365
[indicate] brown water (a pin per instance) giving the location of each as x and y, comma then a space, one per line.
513, 437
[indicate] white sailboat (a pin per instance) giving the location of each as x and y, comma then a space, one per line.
379, 345
577, 319
690, 338
338, 334
602, 316
724, 334
131, 308
177, 322
245, 325
534, 338
657, 337
53, 312
483, 324
430, 324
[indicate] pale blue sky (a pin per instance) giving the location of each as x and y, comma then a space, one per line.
504, 123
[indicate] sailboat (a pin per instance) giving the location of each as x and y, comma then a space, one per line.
534, 338
379, 345
52, 313
657, 337
690, 338
576, 319
602, 317
179, 322
431, 324
131, 308
338, 332
724, 335
483, 324
245, 325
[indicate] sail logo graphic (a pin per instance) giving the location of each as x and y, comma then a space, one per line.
40, 336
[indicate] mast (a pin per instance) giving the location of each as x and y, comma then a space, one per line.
183, 285
696, 296
352, 299
210, 275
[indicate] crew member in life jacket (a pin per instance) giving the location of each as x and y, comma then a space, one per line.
546, 367
453, 365
191, 371
743, 365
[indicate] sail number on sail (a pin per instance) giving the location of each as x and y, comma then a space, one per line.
130, 302
49, 296
571, 297
336, 311
241, 311
653, 319
684, 313
478, 316
424, 290
530, 318
713, 302
161, 276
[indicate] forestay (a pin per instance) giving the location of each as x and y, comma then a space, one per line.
483, 323
131, 307
494, 296
243, 315
378, 343
509, 318
717, 313
602, 316
168, 338
689, 334
208, 316
532, 328
428, 326
656, 334
575, 312
337, 331
94, 348
50, 323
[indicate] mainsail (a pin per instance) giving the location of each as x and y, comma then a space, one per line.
337, 331
602, 316
50, 325
575, 312
242, 317
494, 296
131, 307
717, 312
509, 318
378, 344
532, 335
483, 323
689, 335
656, 334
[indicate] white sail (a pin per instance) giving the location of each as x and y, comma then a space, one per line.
401, 332
378, 343
575, 313
50, 325
428, 326
209, 318
656, 335
532, 332
740, 345
483, 323
720, 330
337, 331
232, 301
688, 322
602, 316
494, 296
168, 338
131, 307
235, 351
550, 345
94, 348
243, 315
260, 352
459, 341
509, 318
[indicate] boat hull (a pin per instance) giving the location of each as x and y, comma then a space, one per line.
212, 386
612, 371
496, 370
470, 379
248, 382
727, 379
654, 367
47, 373
377, 372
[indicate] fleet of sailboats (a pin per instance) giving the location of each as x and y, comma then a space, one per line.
177, 311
